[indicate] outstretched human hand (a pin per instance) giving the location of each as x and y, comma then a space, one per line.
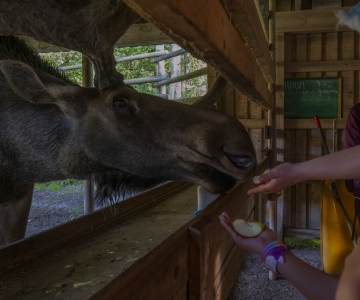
279, 178
255, 244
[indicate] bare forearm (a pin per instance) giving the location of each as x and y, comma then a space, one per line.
349, 284
311, 282
343, 164
349, 288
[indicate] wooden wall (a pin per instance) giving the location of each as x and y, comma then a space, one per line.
253, 118
302, 201
302, 139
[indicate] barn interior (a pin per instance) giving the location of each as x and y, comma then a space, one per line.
132, 251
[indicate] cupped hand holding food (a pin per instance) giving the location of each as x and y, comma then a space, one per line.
253, 244
279, 178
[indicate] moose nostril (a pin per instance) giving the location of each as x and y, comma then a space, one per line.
241, 160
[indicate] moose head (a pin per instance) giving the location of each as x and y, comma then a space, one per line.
53, 129
133, 134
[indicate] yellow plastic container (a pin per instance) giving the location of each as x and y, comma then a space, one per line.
334, 233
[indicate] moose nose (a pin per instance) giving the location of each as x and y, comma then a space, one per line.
239, 159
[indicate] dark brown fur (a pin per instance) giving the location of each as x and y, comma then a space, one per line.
89, 26
52, 129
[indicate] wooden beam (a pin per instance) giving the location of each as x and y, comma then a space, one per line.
214, 258
136, 35
323, 66
161, 274
309, 123
247, 21
276, 208
204, 29
310, 21
253, 123
302, 233
60, 235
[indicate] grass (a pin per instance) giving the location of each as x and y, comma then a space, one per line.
76, 212
55, 186
302, 243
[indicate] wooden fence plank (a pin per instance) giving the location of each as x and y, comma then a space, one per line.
213, 246
279, 121
323, 66
314, 141
356, 72
157, 281
60, 235
309, 123
302, 44
308, 21
213, 260
288, 155
347, 52
283, 5
293, 188
302, 233
136, 35
332, 55
242, 104
229, 100
301, 207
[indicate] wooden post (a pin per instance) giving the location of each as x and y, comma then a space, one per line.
272, 122
87, 75
211, 78
175, 88
160, 71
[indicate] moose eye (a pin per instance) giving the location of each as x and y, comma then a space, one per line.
120, 101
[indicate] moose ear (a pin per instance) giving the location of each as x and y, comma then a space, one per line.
39, 87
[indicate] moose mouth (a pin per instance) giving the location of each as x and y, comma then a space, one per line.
219, 175
213, 180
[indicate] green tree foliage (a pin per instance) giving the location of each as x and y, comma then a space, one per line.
63, 59
136, 68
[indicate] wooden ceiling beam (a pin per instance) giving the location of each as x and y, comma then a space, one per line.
136, 35
205, 30
309, 21
247, 21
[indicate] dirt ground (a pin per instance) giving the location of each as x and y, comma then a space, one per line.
54, 208
253, 281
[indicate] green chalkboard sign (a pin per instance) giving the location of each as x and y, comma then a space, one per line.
306, 97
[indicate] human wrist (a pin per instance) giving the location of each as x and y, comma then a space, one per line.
299, 172
273, 254
268, 236
274, 248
